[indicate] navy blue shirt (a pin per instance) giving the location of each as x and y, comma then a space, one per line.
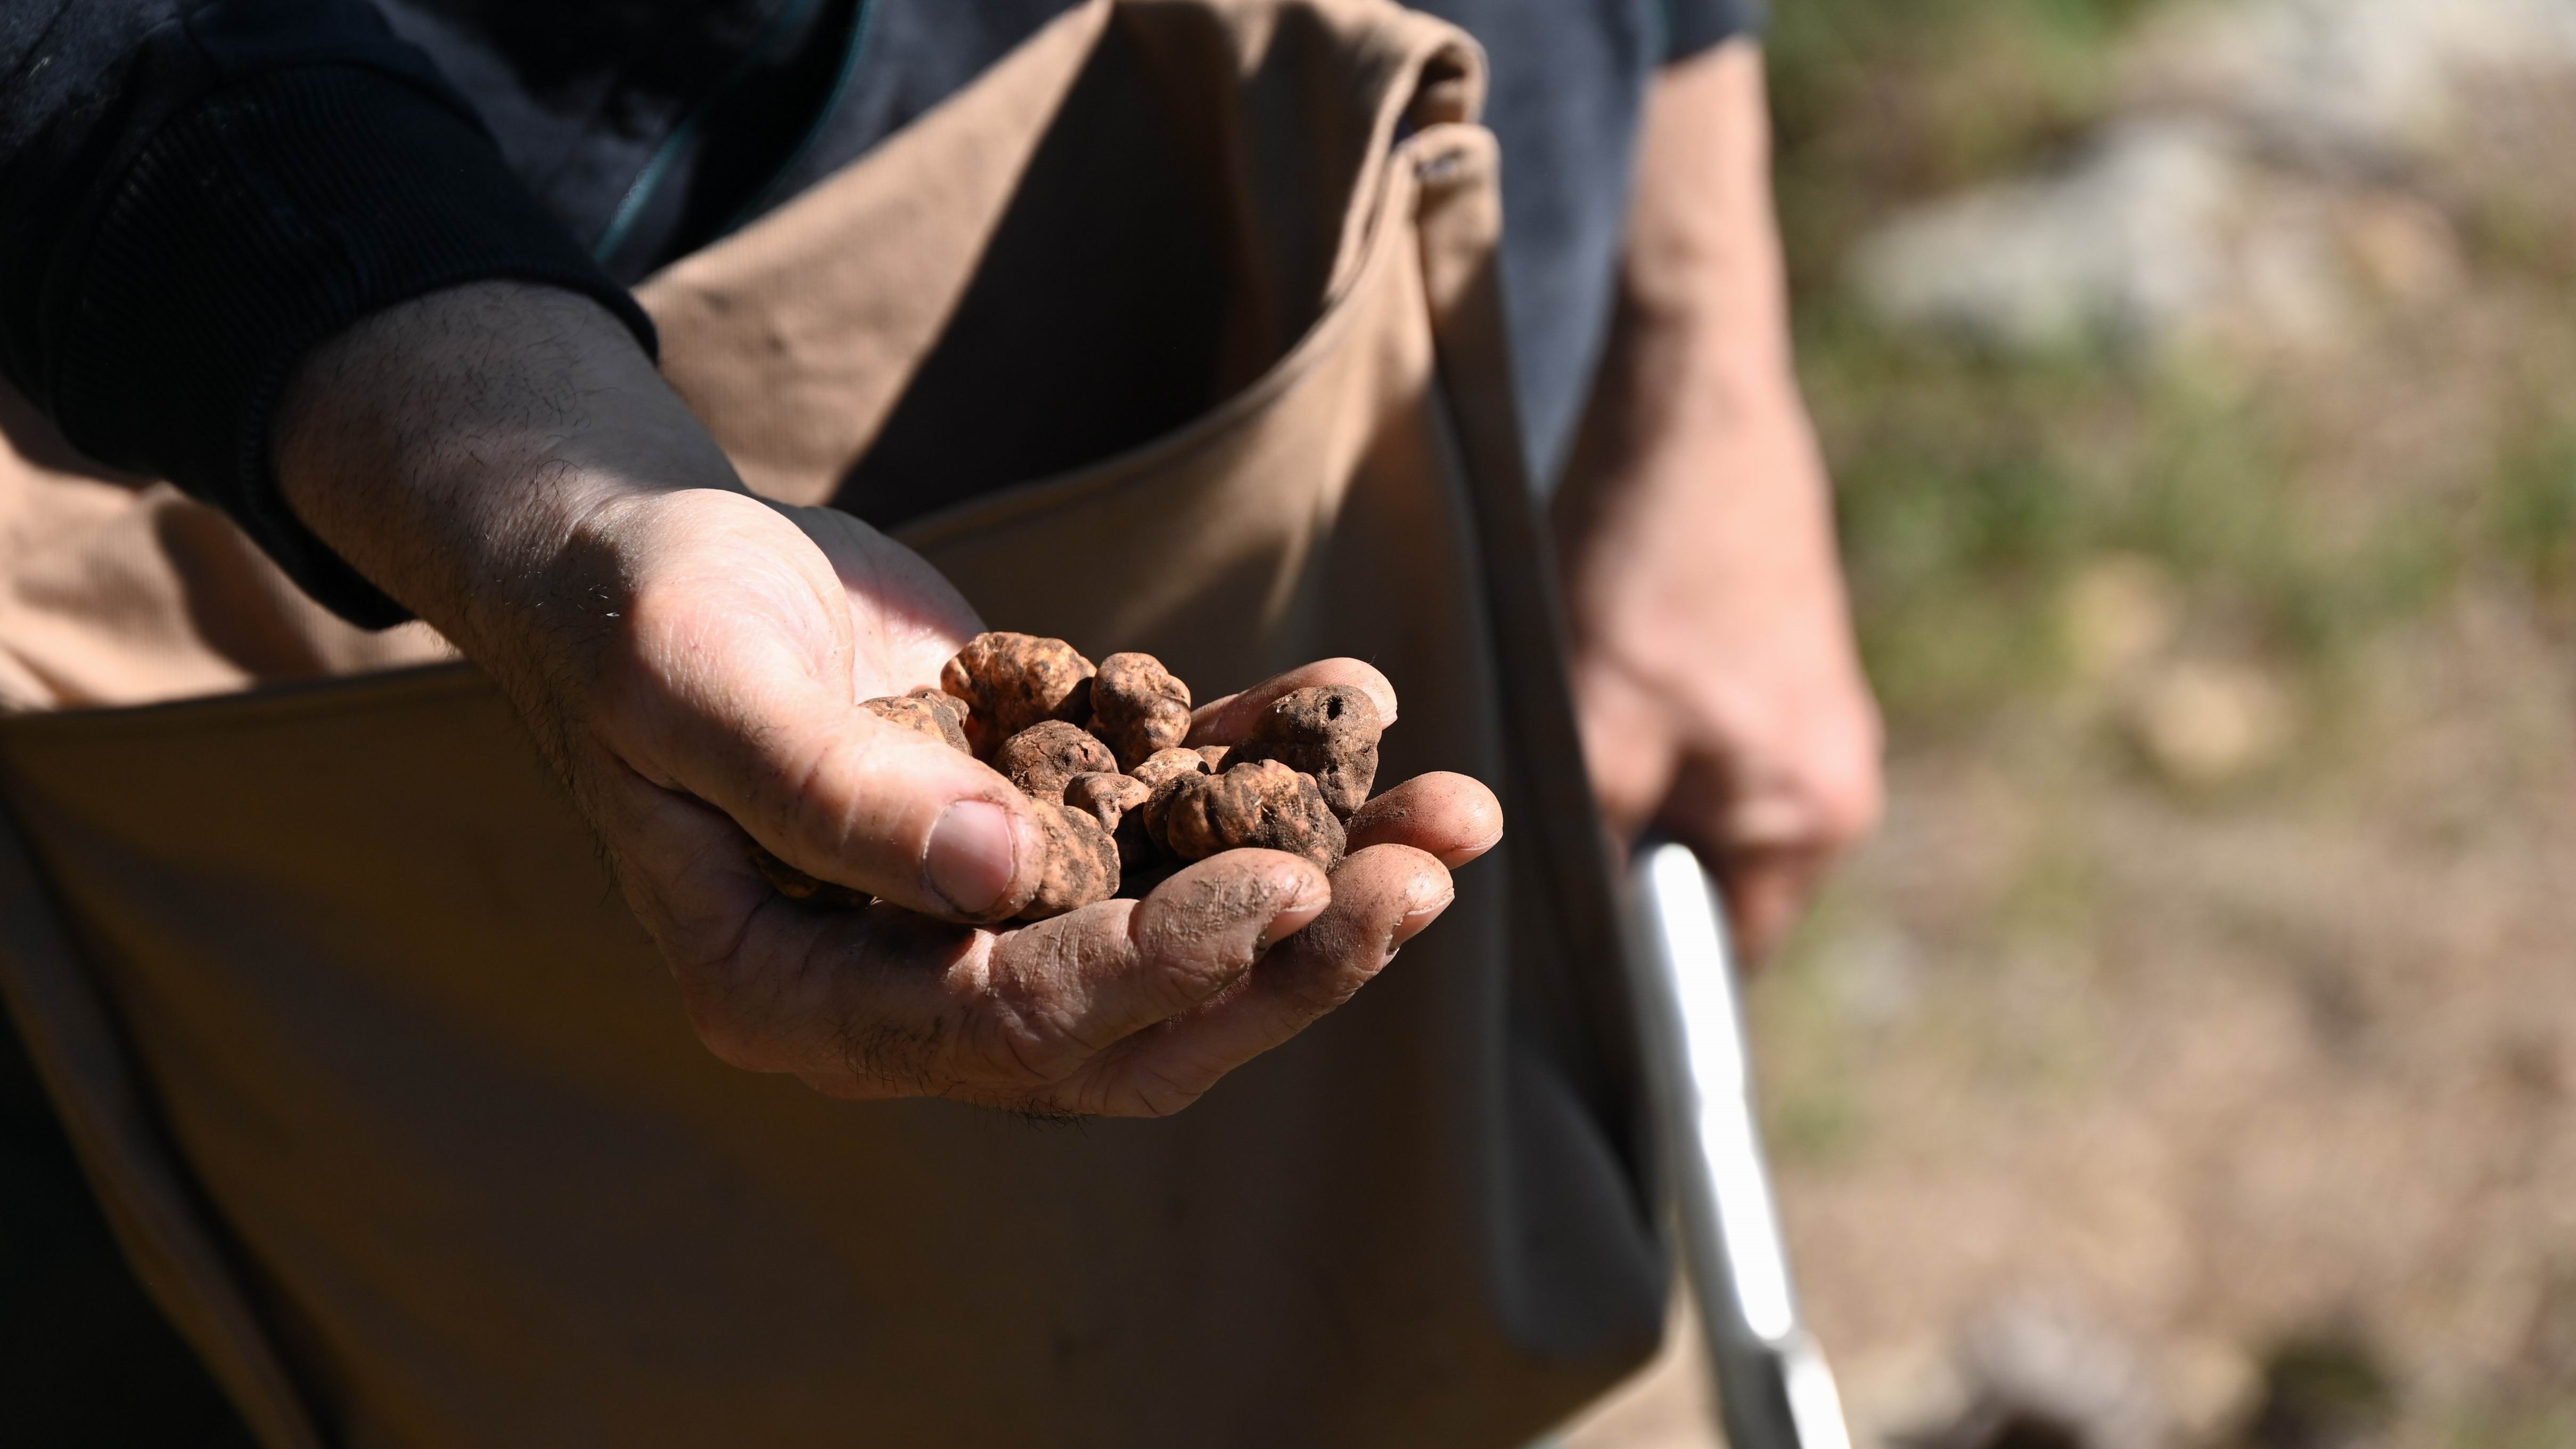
195, 192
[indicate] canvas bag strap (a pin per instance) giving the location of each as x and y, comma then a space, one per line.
1460, 227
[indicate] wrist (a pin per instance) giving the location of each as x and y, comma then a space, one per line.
461, 449
1689, 429
1704, 501
1692, 368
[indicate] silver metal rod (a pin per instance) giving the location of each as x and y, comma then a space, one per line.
1774, 1390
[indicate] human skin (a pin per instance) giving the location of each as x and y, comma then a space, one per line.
1720, 695
505, 461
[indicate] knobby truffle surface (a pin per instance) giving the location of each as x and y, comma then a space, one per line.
1117, 796
1105, 797
925, 712
1046, 756
1012, 681
1081, 862
1329, 731
949, 706
1261, 805
1159, 774
1165, 765
1138, 707
1115, 801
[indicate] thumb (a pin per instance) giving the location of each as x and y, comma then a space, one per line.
846, 796
732, 672
879, 807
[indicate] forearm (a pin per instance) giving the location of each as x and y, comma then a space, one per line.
1696, 424
453, 449
1720, 693
1703, 298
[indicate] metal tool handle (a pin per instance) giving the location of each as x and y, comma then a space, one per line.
1774, 1390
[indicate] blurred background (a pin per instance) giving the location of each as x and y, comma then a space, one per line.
2190, 1060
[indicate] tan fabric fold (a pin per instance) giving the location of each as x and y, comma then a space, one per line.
117, 590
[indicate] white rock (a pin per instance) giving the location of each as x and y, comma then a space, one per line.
2123, 245
2372, 80
2040, 1372
2254, 195
2044, 1363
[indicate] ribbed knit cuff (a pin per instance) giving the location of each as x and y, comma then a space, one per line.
1691, 26
272, 215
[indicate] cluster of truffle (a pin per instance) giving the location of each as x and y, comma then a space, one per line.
1100, 752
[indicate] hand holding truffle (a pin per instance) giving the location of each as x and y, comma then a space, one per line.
817, 871
1275, 791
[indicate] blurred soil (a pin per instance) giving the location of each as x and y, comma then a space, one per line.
2200, 1035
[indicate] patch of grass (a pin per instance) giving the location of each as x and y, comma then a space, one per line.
1876, 103
2218, 497
1808, 1072
1961, 509
1973, 487
1961, 514
2540, 1429
2327, 1386
2530, 516
1815, 1126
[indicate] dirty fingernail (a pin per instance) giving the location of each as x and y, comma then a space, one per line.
1294, 917
1426, 903
970, 862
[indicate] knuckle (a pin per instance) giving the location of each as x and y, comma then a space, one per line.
1024, 1042
1156, 1094
1194, 977
1849, 804
1140, 1089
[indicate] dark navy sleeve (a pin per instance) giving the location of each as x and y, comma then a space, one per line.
192, 195
1691, 26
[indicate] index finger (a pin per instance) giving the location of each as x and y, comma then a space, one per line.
1224, 721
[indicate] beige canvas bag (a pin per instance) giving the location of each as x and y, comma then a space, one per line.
390, 1099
